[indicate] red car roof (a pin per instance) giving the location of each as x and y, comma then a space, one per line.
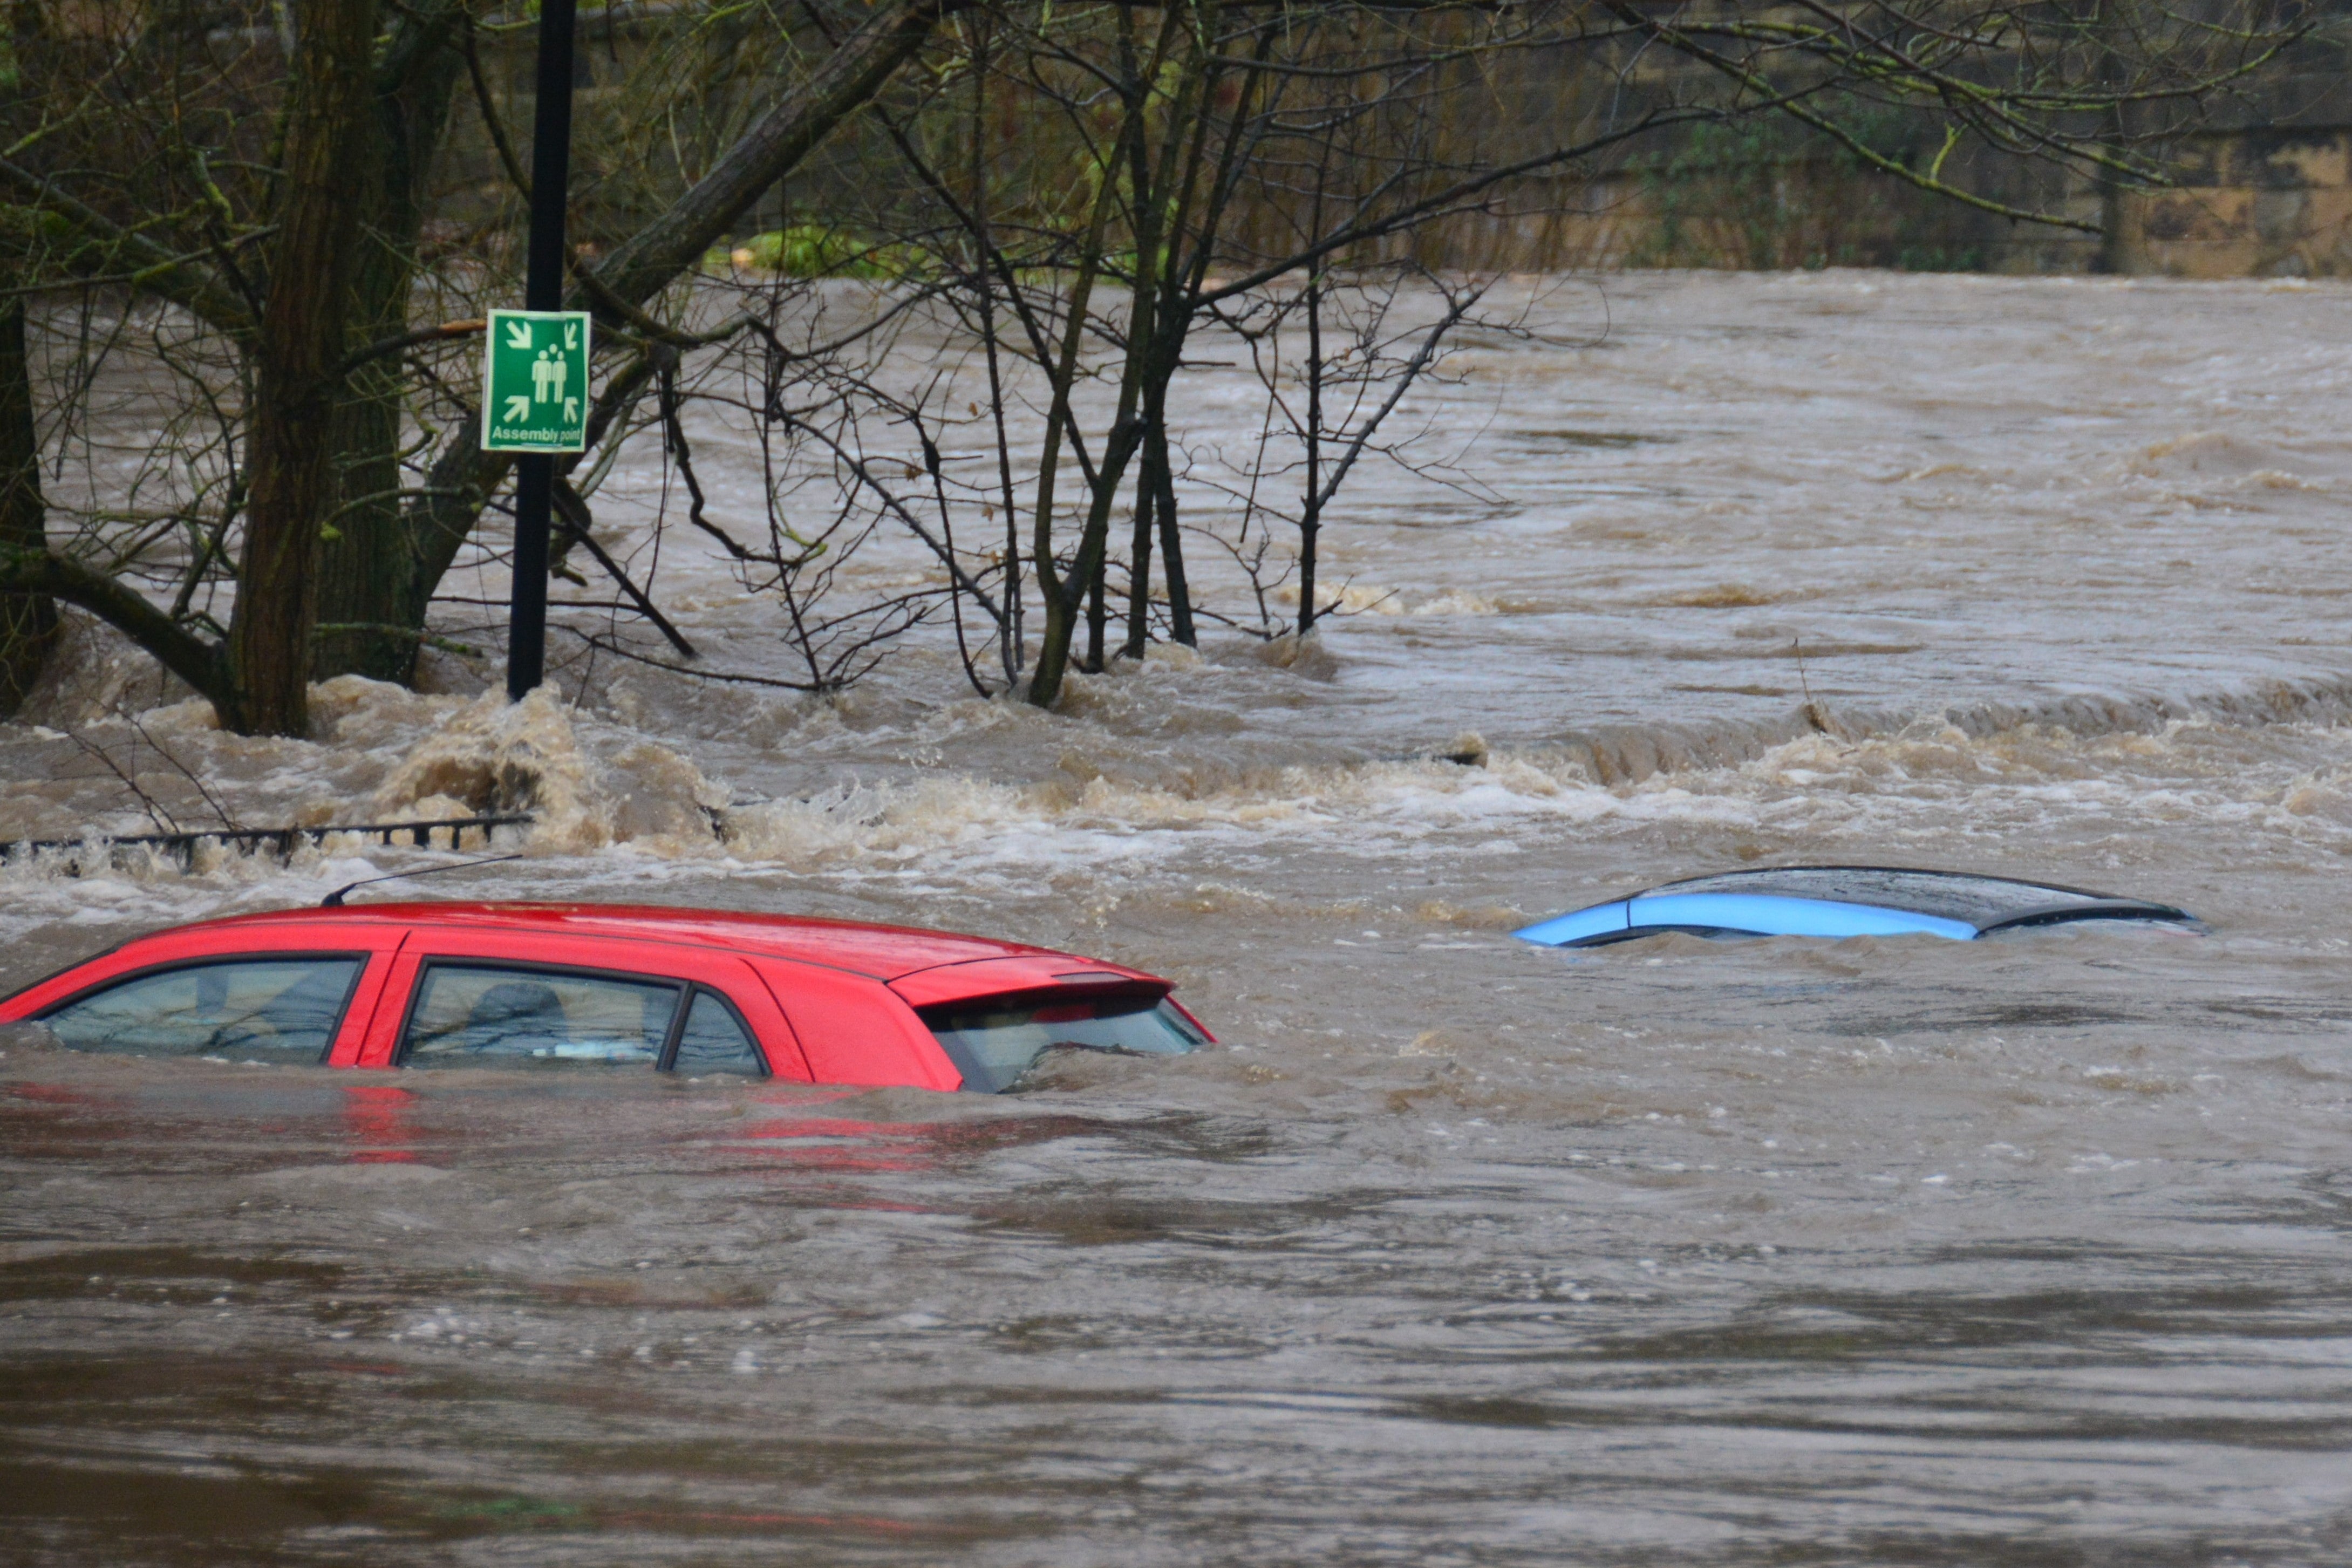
858, 1024
882, 953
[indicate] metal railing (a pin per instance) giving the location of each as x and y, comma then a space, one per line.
281, 841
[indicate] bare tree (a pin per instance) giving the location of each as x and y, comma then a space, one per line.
231, 218
1074, 195
1335, 401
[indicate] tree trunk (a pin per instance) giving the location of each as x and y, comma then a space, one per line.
362, 556
299, 358
1310, 513
1139, 575
1063, 599
1161, 474
1098, 615
1171, 557
28, 622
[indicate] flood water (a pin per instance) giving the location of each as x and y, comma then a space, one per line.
2035, 1251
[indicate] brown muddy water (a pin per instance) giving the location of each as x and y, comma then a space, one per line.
1455, 1251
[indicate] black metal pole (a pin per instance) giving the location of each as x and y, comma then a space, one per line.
550, 178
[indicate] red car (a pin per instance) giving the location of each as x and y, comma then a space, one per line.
692, 991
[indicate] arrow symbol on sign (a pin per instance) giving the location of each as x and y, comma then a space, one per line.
518, 334
570, 409
571, 334
518, 407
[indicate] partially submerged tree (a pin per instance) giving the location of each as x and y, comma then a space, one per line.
273, 211
257, 215
1160, 187
1188, 167
206, 176
1333, 400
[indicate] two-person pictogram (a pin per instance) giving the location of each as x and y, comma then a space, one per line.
535, 382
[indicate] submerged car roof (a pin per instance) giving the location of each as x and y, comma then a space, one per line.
880, 951
1841, 900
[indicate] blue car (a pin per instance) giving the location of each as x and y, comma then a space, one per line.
1842, 901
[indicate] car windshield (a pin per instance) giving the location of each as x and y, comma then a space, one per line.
993, 1045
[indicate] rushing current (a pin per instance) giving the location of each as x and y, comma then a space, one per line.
1454, 1249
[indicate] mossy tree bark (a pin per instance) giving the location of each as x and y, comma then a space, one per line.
298, 353
28, 622
364, 549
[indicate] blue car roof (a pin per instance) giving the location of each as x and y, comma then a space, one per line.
1840, 902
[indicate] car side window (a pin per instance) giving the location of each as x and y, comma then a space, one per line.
279, 1009
715, 1040
470, 1014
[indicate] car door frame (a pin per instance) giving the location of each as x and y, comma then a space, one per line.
607, 957
377, 946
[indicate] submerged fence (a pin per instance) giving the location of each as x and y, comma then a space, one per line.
182, 847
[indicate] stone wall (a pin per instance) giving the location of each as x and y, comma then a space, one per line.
2273, 202
2263, 188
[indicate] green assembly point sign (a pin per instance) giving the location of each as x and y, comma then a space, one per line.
535, 382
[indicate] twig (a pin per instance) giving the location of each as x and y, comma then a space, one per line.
490, 121
573, 510
154, 808
732, 677
1812, 708
180, 767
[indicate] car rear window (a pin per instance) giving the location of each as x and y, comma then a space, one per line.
994, 1043
278, 1008
473, 1014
